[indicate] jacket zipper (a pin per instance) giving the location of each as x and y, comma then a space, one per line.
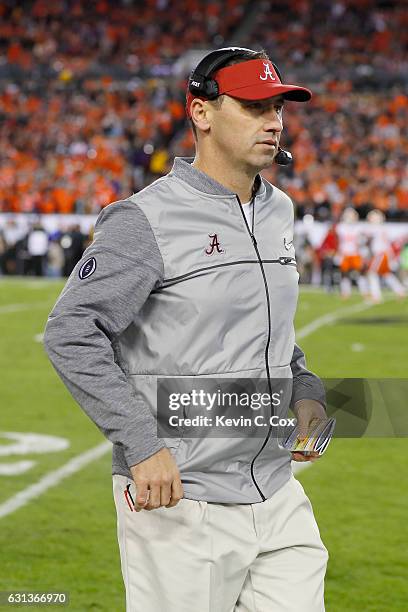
283, 261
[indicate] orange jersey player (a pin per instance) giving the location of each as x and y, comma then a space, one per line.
381, 257
350, 253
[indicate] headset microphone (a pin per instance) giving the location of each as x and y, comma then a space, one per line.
283, 158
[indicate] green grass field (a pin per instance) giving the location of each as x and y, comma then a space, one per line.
66, 538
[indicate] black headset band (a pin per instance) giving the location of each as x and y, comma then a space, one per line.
215, 59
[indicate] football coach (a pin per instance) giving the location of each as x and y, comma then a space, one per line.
195, 276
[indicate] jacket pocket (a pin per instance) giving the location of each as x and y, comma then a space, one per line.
146, 388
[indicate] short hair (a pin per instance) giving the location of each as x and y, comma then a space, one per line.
244, 57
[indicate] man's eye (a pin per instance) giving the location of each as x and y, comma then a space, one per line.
262, 107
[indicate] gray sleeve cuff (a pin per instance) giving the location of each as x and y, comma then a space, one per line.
306, 385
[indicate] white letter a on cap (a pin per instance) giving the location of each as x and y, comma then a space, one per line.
267, 73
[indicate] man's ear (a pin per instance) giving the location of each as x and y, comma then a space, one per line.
200, 114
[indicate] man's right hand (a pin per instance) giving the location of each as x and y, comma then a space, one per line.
157, 481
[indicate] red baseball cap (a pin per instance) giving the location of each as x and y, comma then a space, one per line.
253, 80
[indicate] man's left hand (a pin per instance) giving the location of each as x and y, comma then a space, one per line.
305, 411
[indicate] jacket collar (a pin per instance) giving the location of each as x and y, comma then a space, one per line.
183, 169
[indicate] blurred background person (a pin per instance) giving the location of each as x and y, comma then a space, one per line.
381, 260
72, 243
3, 251
404, 264
305, 259
349, 248
326, 254
37, 248
55, 258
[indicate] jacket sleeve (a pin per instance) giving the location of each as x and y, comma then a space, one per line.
306, 385
102, 296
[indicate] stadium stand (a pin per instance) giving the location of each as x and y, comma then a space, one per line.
92, 98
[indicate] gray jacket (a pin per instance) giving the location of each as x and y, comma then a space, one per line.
155, 294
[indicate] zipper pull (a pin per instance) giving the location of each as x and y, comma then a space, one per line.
285, 260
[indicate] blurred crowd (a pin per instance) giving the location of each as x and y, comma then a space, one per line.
92, 98
36, 252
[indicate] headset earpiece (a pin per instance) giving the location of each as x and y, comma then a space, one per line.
200, 83
211, 89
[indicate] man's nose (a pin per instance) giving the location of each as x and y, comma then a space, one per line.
273, 121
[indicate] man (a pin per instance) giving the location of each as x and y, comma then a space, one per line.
37, 247
350, 246
183, 281
381, 258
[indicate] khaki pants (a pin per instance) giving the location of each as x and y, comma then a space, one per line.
207, 557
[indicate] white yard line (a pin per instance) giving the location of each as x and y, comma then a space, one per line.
330, 318
20, 307
52, 479
30, 281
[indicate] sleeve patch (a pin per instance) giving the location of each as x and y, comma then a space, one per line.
87, 268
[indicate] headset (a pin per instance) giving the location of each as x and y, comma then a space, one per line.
201, 84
